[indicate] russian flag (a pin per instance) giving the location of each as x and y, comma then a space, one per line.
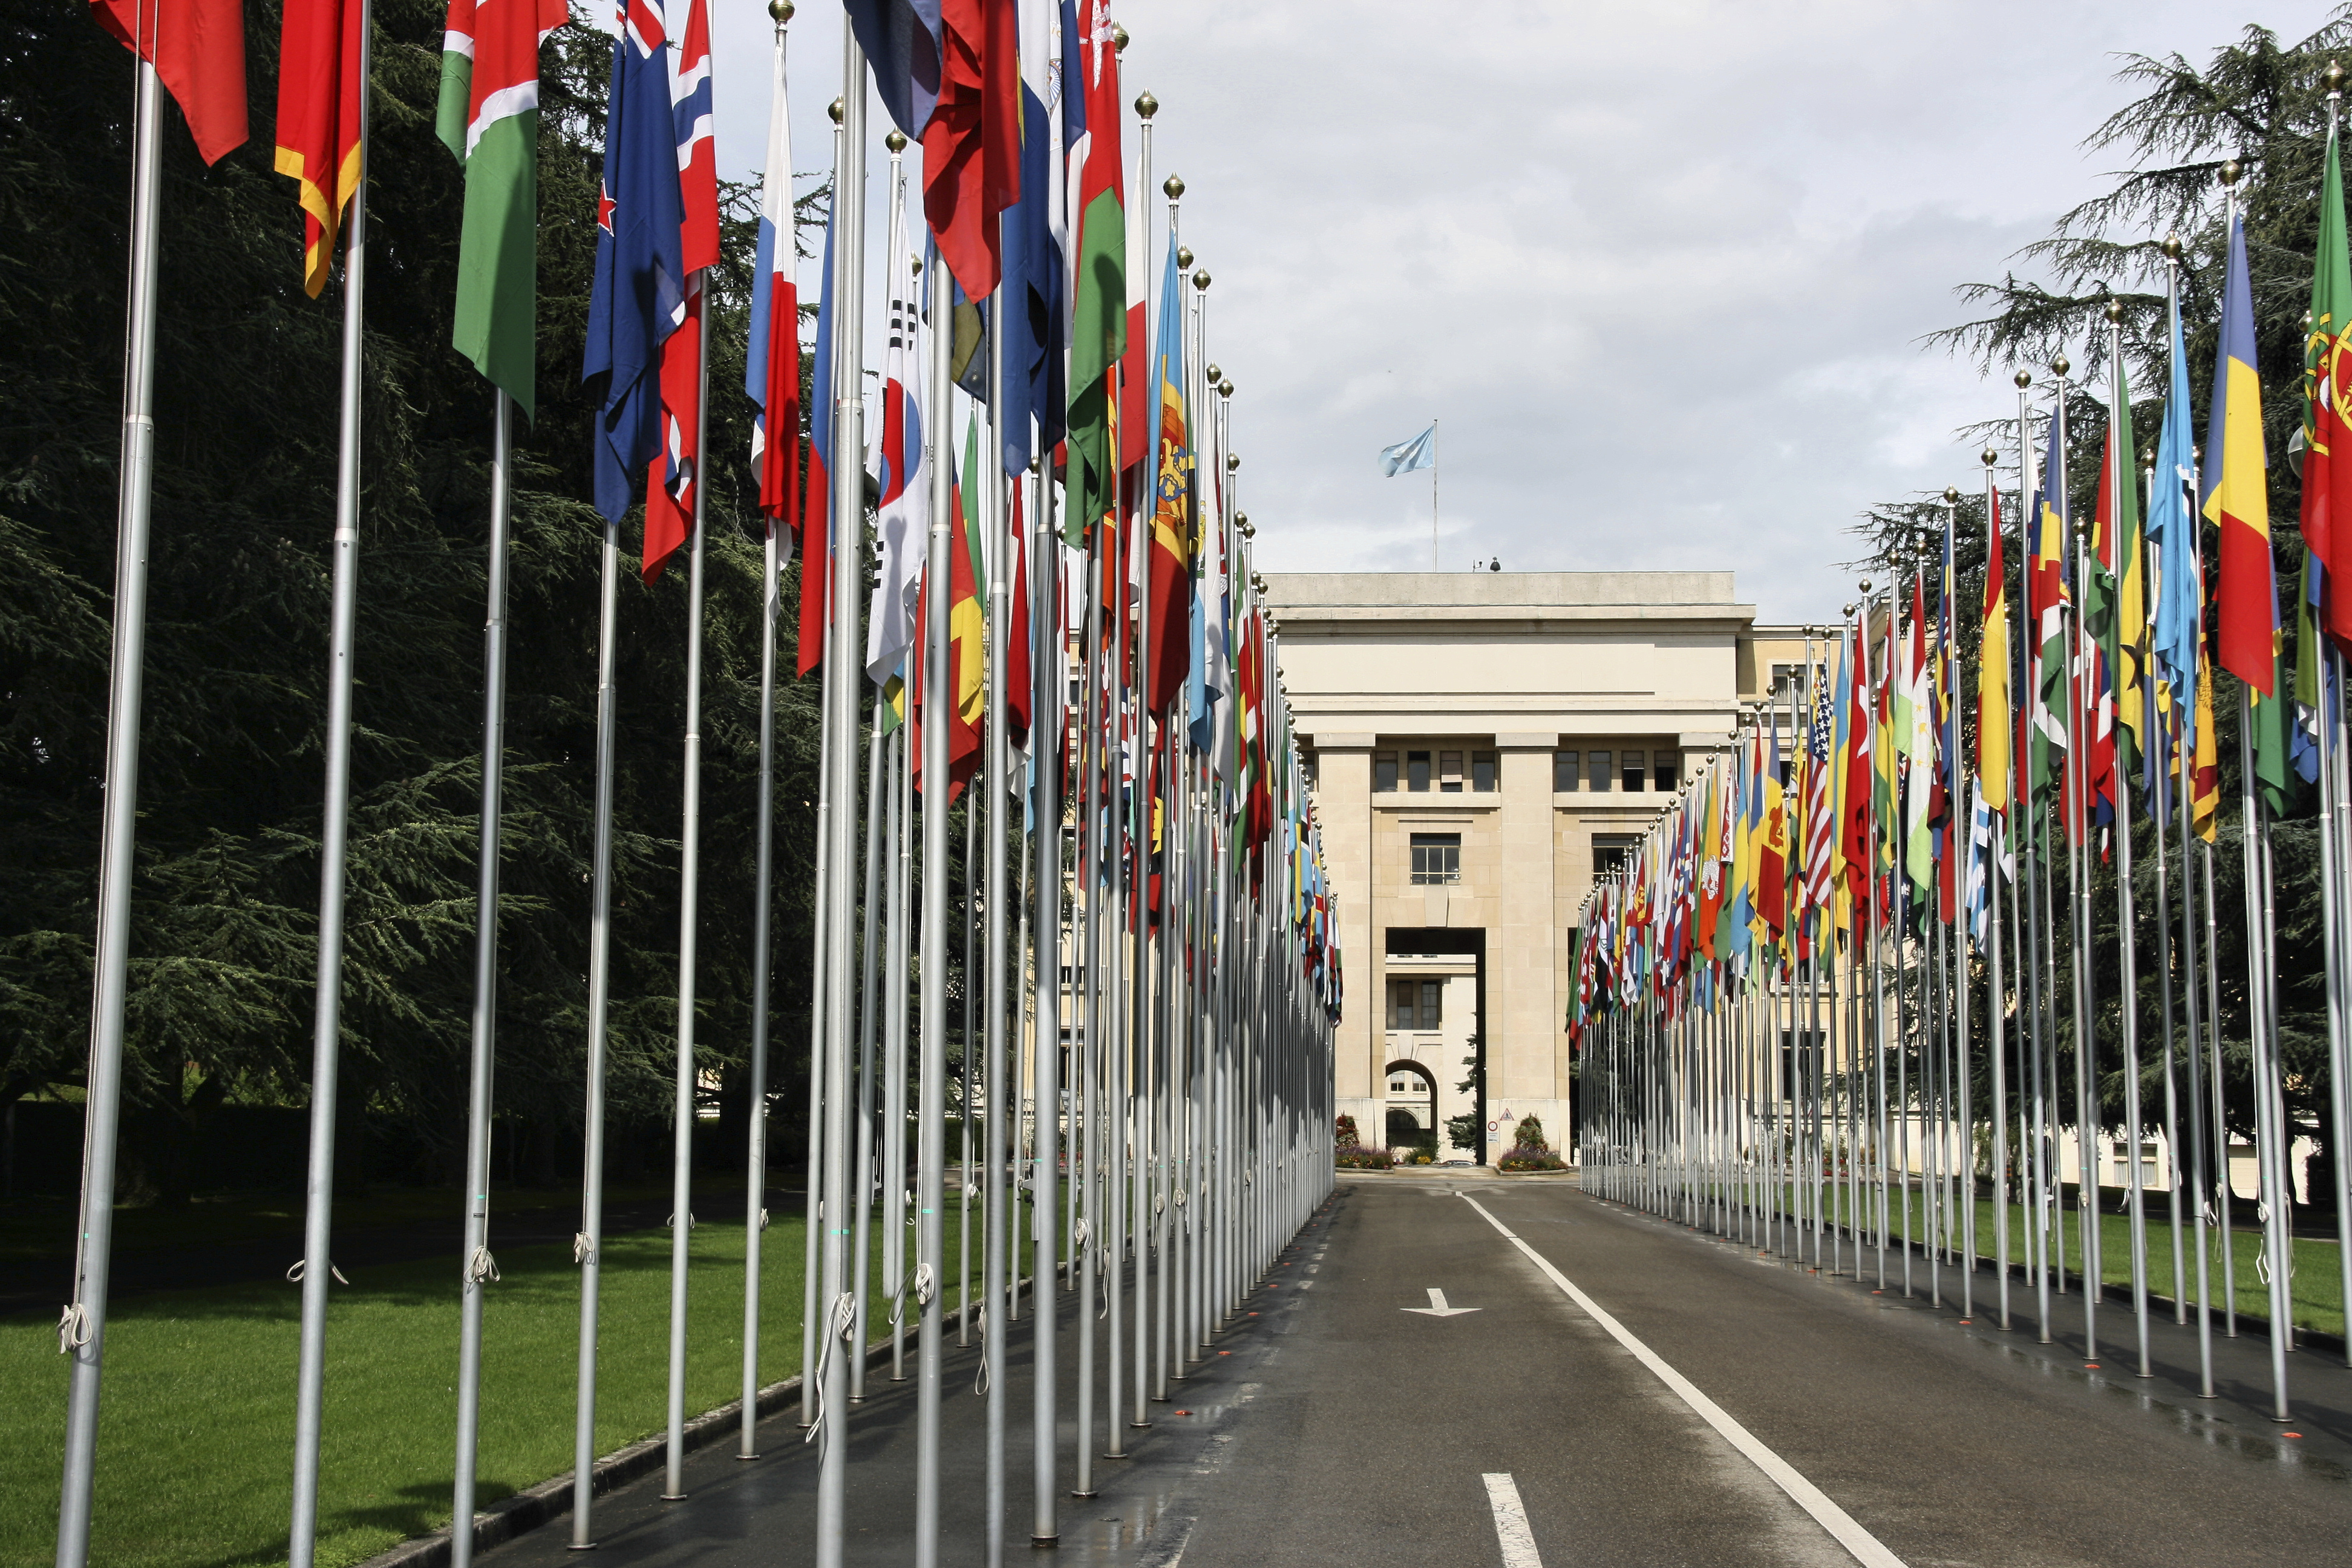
772, 367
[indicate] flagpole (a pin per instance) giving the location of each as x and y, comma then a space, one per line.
1432, 492
588, 1245
1047, 1024
81, 1331
481, 1270
334, 833
2120, 479
755, 1176
843, 669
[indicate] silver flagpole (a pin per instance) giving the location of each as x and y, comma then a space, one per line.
755, 1153
879, 788
896, 256
481, 1270
1046, 890
1996, 993
335, 831
931, 1113
843, 670
81, 1331
2120, 478
688, 900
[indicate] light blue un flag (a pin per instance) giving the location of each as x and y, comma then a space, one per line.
1421, 452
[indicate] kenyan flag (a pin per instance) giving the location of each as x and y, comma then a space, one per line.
489, 119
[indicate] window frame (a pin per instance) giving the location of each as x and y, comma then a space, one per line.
1447, 847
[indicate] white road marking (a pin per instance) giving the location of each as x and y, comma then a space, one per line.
1511, 1523
1437, 1306
1866, 1547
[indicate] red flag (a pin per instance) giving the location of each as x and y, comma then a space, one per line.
320, 98
198, 49
1018, 674
972, 148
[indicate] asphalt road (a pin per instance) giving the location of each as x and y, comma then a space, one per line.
1344, 1423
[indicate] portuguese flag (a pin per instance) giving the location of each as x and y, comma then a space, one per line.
490, 118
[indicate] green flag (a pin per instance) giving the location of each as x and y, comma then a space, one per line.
489, 117
1098, 301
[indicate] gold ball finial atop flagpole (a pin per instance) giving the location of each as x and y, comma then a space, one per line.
1201, 279
2116, 310
1849, 612
1213, 373
835, 109
1183, 256
895, 140
1224, 387
1951, 495
1119, 37
1989, 456
782, 10
1174, 188
2061, 365
2025, 378
1866, 586
2230, 170
1146, 105
2333, 76
2171, 248
1232, 462
1242, 522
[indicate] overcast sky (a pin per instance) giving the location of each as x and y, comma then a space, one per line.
1661, 268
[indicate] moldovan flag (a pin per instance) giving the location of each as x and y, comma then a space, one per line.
321, 100
489, 117
2235, 500
197, 48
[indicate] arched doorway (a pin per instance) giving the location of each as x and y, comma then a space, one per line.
1412, 1104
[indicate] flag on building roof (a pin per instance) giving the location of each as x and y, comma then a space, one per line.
197, 48
489, 118
322, 103
1421, 452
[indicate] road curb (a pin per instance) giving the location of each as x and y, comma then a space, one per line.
550, 1500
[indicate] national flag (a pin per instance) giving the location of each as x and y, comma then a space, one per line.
1098, 321
1019, 669
1405, 457
1917, 742
903, 521
2205, 763
1820, 791
972, 143
197, 48
772, 365
1772, 841
1035, 275
670, 483
2235, 497
900, 40
2327, 409
2047, 601
488, 118
1172, 517
321, 104
816, 497
2172, 539
2095, 700
2123, 559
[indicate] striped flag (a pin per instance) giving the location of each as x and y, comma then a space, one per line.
670, 481
2235, 498
489, 118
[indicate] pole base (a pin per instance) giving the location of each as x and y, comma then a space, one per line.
582, 1546
1045, 1542
750, 1456
1139, 1425
673, 1497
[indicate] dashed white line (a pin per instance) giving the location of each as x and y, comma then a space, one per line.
1511, 1523
1866, 1547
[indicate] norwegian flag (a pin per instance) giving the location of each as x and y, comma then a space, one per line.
670, 482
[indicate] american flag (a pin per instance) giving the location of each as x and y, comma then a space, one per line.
1821, 835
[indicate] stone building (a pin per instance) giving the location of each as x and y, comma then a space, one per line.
1481, 743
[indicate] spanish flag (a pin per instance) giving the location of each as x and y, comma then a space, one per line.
2234, 497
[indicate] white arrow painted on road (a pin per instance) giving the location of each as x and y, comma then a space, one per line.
1438, 1308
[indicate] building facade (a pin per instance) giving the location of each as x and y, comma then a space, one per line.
1481, 744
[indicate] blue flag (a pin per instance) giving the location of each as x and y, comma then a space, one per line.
2172, 541
900, 40
639, 297
1421, 452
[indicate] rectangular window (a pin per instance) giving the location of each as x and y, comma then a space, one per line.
1400, 999
1308, 764
1449, 773
1432, 1012
1597, 774
1563, 771
1436, 858
1610, 851
1633, 772
1482, 771
1416, 772
1663, 768
1384, 772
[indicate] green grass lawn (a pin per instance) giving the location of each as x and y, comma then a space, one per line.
2317, 1284
196, 1428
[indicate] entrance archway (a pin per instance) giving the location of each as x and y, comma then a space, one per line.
1410, 1124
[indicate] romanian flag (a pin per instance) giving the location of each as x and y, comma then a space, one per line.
2234, 496
321, 104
